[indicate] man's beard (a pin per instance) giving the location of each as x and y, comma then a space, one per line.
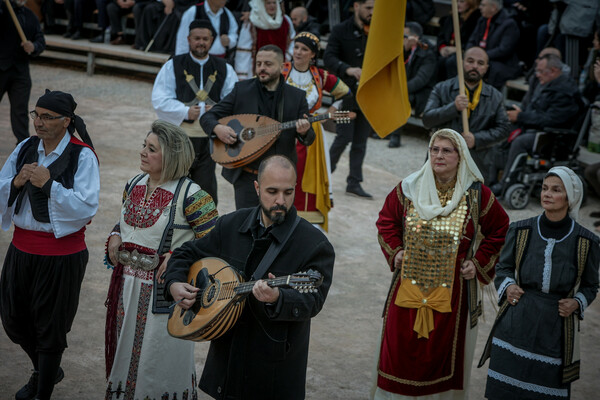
276, 218
365, 21
472, 78
269, 79
200, 53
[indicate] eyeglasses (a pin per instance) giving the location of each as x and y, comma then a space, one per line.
446, 151
44, 117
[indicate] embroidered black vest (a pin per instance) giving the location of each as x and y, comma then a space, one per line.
224, 25
184, 62
61, 170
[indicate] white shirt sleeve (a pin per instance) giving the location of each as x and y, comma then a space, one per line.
164, 96
181, 44
230, 81
8, 172
71, 209
233, 29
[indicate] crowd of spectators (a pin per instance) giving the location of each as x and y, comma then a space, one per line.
514, 35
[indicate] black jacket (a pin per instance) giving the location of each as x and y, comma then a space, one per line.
488, 122
311, 25
11, 51
421, 76
345, 49
243, 100
445, 35
264, 356
556, 105
501, 47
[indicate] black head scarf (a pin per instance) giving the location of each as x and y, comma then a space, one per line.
203, 23
64, 104
310, 40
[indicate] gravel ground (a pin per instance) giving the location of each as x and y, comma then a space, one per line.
345, 335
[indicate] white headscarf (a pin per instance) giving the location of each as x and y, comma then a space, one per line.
260, 18
419, 187
574, 188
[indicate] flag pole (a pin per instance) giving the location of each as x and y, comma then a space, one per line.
16, 21
459, 62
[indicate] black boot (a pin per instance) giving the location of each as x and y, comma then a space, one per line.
50, 374
394, 140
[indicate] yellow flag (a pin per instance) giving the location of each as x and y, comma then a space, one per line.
382, 94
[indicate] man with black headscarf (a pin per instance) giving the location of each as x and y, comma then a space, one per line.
49, 189
267, 95
14, 62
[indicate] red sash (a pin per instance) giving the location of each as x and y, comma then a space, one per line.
46, 244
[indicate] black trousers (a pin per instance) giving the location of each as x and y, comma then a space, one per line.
115, 12
39, 296
138, 11
202, 170
522, 144
356, 132
17, 83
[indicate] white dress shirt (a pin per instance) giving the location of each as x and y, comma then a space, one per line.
182, 46
164, 95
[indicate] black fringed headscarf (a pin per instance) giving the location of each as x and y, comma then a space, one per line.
64, 104
203, 24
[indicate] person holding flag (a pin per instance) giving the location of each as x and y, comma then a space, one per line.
313, 189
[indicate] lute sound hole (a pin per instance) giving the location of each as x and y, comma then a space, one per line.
248, 134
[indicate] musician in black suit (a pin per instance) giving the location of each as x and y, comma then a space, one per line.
264, 355
267, 95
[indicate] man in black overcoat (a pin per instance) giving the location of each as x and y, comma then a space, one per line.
264, 355
267, 95
344, 58
14, 63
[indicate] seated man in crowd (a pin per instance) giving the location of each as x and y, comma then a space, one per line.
488, 124
159, 23
498, 35
421, 72
222, 20
304, 22
554, 103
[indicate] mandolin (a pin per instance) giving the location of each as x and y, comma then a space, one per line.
256, 133
221, 298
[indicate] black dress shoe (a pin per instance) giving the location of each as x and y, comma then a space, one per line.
76, 35
98, 39
67, 34
394, 141
29, 391
356, 190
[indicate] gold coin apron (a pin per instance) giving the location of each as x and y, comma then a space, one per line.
430, 250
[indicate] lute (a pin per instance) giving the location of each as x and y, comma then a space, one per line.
256, 134
221, 298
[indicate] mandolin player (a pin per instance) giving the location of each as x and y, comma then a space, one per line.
268, 95
186, 87
264, 355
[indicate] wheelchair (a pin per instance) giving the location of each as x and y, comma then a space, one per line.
553, 147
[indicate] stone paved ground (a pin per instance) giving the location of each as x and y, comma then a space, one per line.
345, 335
